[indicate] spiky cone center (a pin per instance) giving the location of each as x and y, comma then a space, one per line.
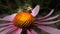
23, 19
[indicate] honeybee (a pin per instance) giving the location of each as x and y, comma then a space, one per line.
29, 9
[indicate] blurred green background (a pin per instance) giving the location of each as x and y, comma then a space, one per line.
13, 6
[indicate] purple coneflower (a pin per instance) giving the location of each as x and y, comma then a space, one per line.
26, 21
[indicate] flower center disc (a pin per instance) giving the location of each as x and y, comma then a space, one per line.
23, 19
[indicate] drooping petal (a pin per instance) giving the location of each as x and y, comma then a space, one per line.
17, 31
6, 30
50, 30
9, 18
51, 18
5, 24
35, 10
42, 18
28, 32
31, 32
52, 22
3, 28
12, 30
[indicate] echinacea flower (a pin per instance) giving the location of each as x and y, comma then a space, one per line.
26, 21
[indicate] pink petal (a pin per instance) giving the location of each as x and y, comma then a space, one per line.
28, 32
31, 32
3, 28
17, 31
50, 30
52, 22
12, 30
6, 30
9, 18
42, 18
51, 18
6, 24
35, 10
